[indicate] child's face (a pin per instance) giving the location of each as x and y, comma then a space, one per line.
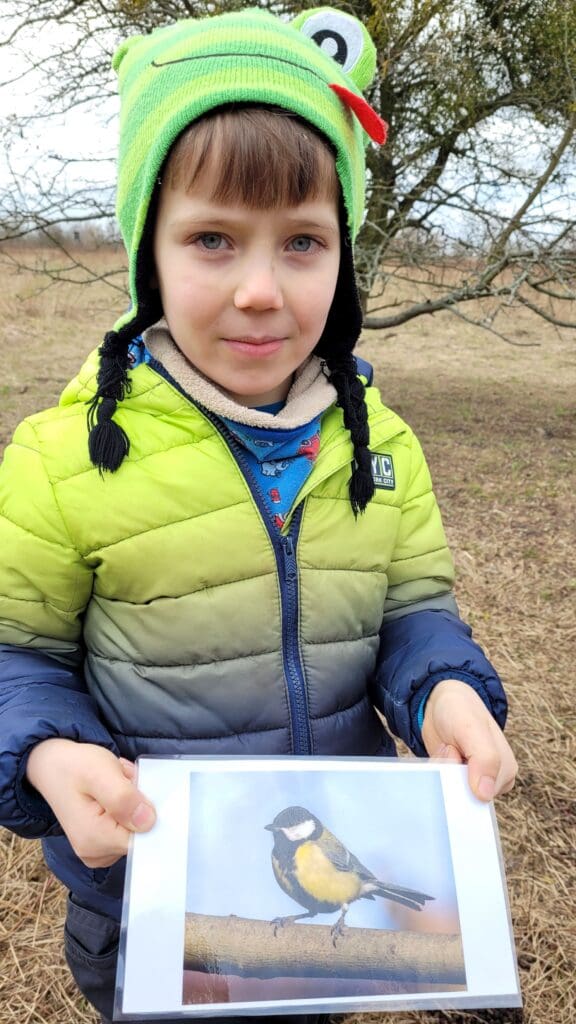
246, 293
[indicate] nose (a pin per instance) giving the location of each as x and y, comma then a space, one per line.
258, 286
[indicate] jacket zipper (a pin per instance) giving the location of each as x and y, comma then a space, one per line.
284, 546
293, 669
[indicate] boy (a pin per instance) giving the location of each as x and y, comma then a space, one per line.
243, 553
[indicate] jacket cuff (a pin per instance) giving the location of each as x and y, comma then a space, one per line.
419, 650
24, 810
40, 818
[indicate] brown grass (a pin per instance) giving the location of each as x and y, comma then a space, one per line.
499, 427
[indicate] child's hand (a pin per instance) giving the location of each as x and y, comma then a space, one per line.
457, 725
93, 795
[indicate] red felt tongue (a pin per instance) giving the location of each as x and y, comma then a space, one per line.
371, 122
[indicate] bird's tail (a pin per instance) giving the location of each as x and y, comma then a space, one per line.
407, 897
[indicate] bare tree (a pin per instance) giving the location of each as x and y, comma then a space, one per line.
470, 199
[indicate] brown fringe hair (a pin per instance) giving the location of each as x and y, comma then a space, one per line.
262, 158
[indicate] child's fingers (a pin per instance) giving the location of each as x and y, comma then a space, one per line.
448, 752
104, 780
491, 764
129, 768
123, 801
112, 810
96, 838
93, 796
508, 767
456, 719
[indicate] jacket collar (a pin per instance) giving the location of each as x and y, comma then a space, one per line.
310, 395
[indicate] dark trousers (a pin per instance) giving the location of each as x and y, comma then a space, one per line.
91, 947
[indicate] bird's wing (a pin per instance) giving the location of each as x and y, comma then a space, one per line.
342, 859
281, 876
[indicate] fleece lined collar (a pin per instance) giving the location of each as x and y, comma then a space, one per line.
310, 395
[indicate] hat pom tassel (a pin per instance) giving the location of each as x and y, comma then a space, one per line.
108, 443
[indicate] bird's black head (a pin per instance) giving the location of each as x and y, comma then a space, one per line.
297, 824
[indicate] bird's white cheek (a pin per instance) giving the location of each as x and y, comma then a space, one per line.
295, 833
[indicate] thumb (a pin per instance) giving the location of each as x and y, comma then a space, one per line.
120, 797
143, 817
475, 739
482, 774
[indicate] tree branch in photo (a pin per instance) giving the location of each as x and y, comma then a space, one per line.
252, 948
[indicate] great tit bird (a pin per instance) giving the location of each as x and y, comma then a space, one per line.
313, 867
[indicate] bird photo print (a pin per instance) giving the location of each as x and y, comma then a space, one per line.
315, 885
285, 886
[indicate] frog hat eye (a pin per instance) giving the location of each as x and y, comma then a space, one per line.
345, 39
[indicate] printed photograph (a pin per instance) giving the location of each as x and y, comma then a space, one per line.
318, 885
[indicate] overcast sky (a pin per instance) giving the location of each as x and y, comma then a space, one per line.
87, 133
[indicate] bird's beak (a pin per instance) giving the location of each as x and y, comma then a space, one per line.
269, 827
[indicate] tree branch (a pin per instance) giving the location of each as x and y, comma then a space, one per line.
544, 314
249, 948
515, 222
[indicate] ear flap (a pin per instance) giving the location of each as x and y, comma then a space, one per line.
344, 38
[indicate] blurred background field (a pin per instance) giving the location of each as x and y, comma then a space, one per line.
498, 424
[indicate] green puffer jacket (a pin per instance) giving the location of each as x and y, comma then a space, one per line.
158, 610
204, 630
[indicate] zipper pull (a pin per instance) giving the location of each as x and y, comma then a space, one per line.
289, 558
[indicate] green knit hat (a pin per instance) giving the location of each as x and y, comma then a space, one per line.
314, 66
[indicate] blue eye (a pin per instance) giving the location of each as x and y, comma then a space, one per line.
211, 241
302, 243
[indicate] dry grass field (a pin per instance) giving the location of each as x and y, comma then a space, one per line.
498, 423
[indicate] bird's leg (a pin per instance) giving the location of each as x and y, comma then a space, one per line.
338, 928
279, 922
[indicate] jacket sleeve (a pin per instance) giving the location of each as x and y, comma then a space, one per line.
45, 586
422, 638
417, 651
40, 699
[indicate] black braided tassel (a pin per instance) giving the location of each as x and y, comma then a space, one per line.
335, 347
108, 443
351, 395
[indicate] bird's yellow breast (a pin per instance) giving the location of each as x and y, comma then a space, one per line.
318, 876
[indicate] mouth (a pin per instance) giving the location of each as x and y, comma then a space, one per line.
257, 348
261, 56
